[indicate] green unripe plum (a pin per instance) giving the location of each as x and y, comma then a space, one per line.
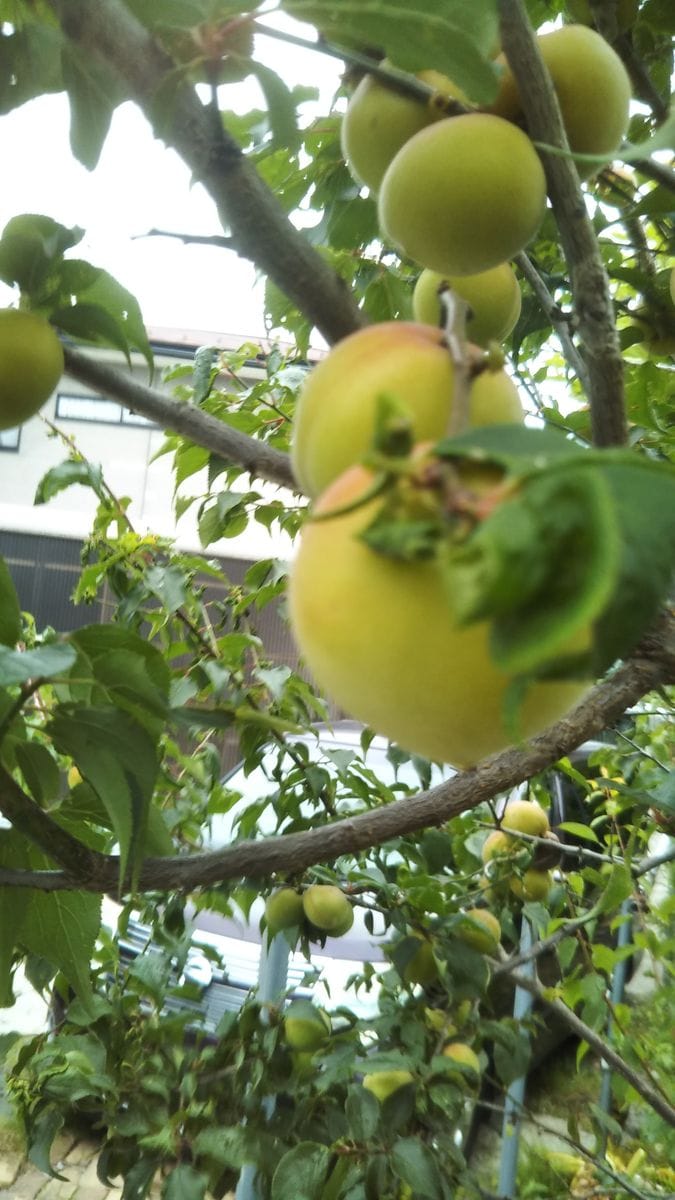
284, 910
463, 195
459, 1052
327, 908
593, 89
384, 1083
31, 364
305, 1029
534, 885
378, 121
493, 296
496, 845
421, 967
335, 419
379, 636
525, 816
482, 931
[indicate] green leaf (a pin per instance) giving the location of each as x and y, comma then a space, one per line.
67, 473
415, 1164
516, 448
363, 1113
169, 585
301, 1173
107, 294
184, 1183
42, 1131
619, 888
280, 107
30, 247
579, 830
13, 904
541, 567
94, 92
10, 612
30, 64
40, 771
18, 666
456, 39
117, 756
62, 927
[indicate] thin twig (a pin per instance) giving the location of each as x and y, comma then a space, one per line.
556, 316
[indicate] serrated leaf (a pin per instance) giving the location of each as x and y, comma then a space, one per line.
93, 92
62, 927
415, 1164
18, 666
42, 1132
67, 473
10, 612
301, 1173
363, 1113
541, 567
116, 755
40, 771
30, 247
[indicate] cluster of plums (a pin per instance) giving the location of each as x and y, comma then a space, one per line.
460, 196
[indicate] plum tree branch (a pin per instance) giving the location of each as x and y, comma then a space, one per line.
641, 1085
652, 666
79, 862
108, 33
588, 277
261, 460
558, 320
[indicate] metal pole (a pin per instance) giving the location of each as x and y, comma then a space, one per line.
515, 1095
616, 996
272, 981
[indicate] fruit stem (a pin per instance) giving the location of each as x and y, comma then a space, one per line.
455, 310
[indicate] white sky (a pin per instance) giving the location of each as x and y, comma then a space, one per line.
138, 185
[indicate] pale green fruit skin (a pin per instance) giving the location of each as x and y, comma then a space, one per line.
327, 908
378, 121
485, 939
31, 364
304, 1034
380, 639
335, 419
593, 89
494, 297
463, 195
384, 1083
525, 816
497, 843
284, 910
421, 968
534, 885
459, 1052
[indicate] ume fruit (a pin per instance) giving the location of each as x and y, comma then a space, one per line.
379, 636
463, 195
31, 364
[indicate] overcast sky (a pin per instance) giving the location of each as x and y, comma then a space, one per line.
139, 185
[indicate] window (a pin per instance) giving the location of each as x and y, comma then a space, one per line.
10, 438
75, 407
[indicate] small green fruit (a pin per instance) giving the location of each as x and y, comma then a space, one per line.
306, 1027
327, 908
284, 910
384, 1083
534, 885
497, 844
31, 364
481, 930
421, 967
493, 297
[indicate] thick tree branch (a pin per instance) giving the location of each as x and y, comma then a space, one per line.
278, 855
589, 281
264, 462
80, 863
642, 1086
108, 33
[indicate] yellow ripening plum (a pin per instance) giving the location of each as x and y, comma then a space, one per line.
482, 930
493, 297
593, 89
463, 195
534, 885
379, 120
328, 909
335, 419
31, 364
525, 816
379, 636
384, 1083
459, 1052
496, 845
